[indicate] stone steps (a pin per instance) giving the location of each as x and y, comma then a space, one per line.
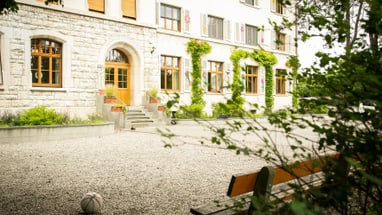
137, 116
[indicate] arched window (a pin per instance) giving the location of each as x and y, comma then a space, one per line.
116, 56
46, 63
117, 69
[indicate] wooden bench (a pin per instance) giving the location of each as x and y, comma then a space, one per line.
268, 184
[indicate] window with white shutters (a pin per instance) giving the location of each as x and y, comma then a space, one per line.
277, 7
239, 32
169, 17
251, 35
215, 27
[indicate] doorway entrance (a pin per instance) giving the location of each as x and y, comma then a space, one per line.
117, 73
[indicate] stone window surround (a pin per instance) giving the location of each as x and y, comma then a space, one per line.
66, 59
5, 62
1, 60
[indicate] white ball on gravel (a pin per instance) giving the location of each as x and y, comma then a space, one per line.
92, 203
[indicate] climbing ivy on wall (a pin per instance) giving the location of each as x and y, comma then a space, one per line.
294, 63
234, 106
197, 49
236, 102
265, 59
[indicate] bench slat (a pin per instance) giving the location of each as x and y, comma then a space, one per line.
208, 210
241, 184
261, 183
244, 183
223, 208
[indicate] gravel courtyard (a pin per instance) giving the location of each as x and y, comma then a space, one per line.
131, 170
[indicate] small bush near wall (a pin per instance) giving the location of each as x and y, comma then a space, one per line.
7, 119
41, 115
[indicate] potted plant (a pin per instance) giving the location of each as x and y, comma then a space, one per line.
110, 92
118, 108
161, 108
153, 95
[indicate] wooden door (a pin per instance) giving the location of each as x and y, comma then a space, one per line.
117, 72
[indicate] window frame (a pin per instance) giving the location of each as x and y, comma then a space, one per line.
50, 56
175, 82
129, 9
280, 41
250, 29
119, 60
96, 6
250, 2
251, 76
279, 8
218, 88
163, 19
217, 31
280, 81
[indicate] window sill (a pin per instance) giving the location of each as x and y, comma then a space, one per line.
169, 30
215, 93
278, 14
48, 89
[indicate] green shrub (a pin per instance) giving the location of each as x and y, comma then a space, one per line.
95, 118
191, 111
197, 49
230, 110
220, 109
7, 119
39, 115
312, 107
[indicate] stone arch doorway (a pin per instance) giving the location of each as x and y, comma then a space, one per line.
117, 73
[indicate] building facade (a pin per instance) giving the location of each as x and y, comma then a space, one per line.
62, 55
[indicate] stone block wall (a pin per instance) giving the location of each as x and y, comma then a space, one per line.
86, 41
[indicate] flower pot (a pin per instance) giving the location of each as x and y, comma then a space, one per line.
161, 108
116, 109
110, 100
154, 100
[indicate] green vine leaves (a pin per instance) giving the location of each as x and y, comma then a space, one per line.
265, 59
